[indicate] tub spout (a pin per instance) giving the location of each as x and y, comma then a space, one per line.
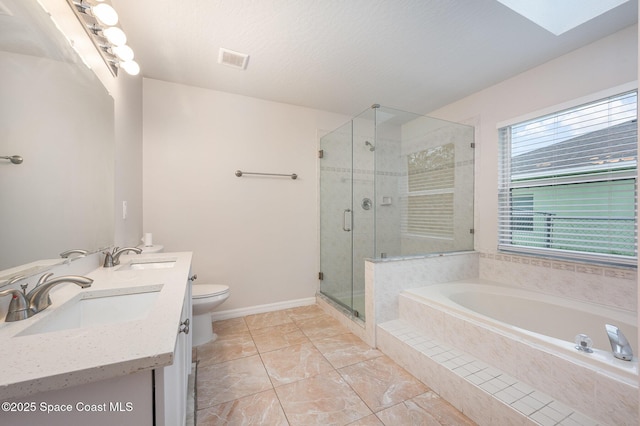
619, 344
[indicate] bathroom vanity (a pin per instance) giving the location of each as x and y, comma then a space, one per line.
118, 352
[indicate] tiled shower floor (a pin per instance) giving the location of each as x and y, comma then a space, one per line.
301, 367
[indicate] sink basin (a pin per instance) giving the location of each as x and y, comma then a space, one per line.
97, 309
137, 265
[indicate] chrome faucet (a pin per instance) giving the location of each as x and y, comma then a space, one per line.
619, 344
113, 259
25, 306
39, 297
68, 253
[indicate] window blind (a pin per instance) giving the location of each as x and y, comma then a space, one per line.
567, 183
428, 207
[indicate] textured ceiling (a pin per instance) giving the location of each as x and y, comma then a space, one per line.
344, 55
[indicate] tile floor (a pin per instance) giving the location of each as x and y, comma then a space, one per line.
301, 367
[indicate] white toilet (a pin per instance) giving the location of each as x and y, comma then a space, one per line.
205, 298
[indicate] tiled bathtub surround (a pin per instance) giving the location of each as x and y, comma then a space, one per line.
584, 387
591, 283
386, 279
604, 398
484, 393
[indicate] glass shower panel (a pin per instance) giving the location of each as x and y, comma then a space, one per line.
363, 202
392, 184
336, 219
424, 182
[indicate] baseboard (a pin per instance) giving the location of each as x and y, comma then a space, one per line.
260, 309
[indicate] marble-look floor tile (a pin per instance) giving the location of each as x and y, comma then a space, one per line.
345, 349
227, 347
230, 380
321, 327
321, 400
229, 326
370, 420
277, 337
267, 319
381, 383
407, 413
294, 363
258, 409
441, 410
425, 409
305, 312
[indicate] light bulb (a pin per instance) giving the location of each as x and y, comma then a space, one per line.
115, 35
131, 67
123, 52
105, 14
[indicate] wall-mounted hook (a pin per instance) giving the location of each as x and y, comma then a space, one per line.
15, 159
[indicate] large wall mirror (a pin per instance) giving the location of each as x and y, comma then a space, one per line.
56, 114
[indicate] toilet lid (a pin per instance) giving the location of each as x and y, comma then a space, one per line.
199, 291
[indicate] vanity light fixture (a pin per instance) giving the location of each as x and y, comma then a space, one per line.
115, 36
105, 14
99, 20
124, 52
131, 67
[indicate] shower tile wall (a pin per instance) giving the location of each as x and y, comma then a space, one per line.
363, 230
389, 177
426, 133
387, 279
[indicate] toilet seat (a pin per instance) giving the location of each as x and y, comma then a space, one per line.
201, 291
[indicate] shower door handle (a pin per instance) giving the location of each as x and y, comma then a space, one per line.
344, 220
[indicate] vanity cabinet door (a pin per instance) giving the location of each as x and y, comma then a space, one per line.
171, 381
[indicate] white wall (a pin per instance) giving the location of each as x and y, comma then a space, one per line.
259, 235
607, 63
127, 94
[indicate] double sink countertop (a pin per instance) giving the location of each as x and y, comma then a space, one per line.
39, 356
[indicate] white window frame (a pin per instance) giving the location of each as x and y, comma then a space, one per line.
506, 218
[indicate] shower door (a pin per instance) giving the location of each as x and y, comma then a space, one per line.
347, 211
336, 218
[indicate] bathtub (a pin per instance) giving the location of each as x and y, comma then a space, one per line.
530, 336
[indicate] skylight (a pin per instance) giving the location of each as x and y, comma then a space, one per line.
561, 16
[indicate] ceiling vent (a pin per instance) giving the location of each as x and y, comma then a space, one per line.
233, 59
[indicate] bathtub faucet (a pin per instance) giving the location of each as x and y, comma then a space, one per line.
619, 343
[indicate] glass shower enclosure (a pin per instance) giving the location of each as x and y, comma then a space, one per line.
393, 184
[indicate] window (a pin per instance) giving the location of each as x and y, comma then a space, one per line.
431, 181
567, 184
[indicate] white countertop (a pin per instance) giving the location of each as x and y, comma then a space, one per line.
47, 361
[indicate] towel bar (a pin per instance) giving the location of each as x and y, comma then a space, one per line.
240, 173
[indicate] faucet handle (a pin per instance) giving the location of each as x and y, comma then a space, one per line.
108, 260
18, 308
